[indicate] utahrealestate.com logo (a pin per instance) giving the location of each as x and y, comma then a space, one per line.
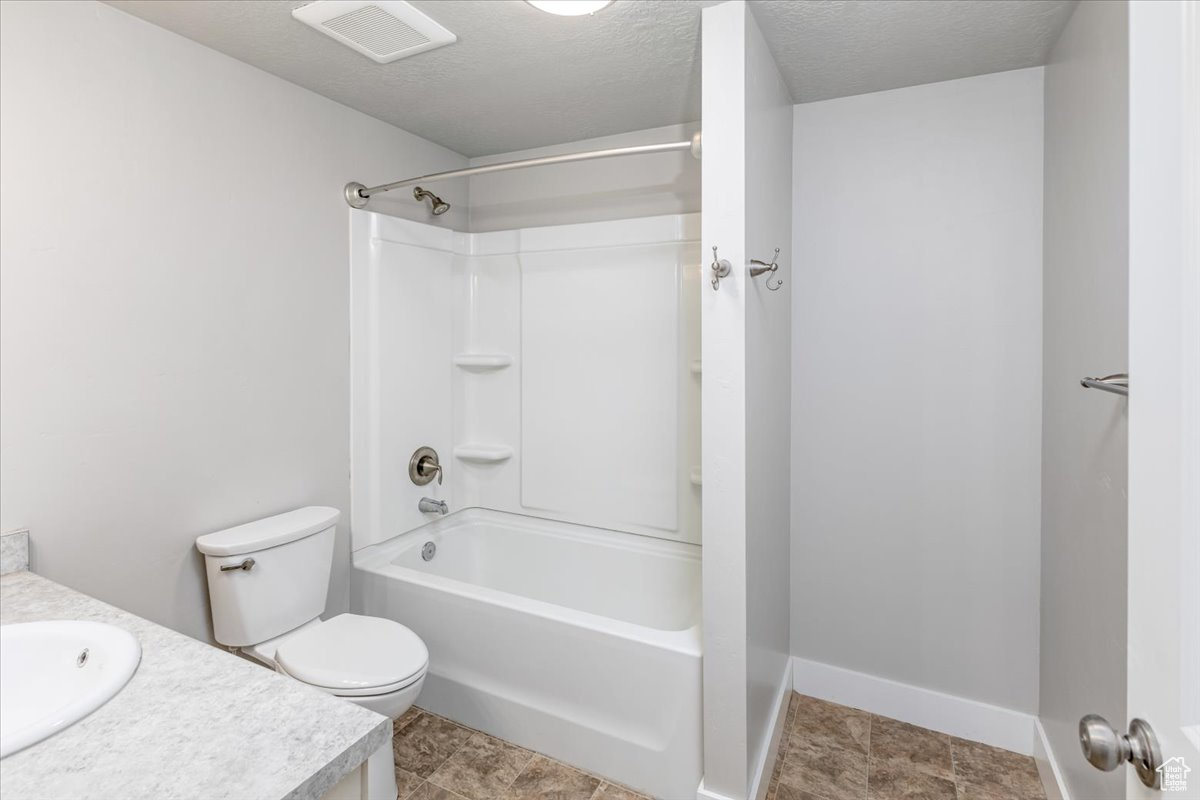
1173, 775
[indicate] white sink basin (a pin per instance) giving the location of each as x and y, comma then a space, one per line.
53, 674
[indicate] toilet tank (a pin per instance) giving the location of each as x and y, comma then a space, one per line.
284, 587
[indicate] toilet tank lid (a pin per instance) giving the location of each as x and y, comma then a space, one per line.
269, 532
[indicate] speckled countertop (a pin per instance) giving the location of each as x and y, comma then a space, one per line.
193, 722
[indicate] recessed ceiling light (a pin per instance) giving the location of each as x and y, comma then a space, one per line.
570, 8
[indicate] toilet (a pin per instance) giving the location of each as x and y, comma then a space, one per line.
267, 584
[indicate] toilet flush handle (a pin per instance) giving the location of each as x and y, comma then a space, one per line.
246, 564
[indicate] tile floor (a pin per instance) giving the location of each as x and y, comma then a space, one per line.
437, 759
831, 752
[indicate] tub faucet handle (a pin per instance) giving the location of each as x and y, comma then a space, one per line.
424, 465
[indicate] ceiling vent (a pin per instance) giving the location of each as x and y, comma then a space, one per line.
382, 30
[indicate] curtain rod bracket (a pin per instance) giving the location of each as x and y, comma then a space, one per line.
354, 195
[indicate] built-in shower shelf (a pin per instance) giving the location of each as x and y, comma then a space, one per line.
695, 477
697, 367
482, 361
483, 453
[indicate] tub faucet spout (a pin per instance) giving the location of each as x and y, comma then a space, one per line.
429, 505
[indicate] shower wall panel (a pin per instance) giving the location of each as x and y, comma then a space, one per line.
599, 350
401, 306
555, 370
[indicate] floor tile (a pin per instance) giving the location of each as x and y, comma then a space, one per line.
779, 758
429, 713
973, 792
816, 766
788, 793
608, 791
834, 752
426, 742
482, 768
910, 746
989, 773
427, 791
406, 782
793, 707
407, 717
832, 724
893, 780
545, 779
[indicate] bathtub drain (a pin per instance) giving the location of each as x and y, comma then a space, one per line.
428, 550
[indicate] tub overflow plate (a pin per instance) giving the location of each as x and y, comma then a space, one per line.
428, 551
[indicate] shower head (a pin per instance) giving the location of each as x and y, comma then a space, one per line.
439, 206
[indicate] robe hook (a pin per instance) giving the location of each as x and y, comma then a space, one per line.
762, 267
720, 267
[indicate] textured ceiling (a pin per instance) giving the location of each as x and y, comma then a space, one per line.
519, 78
841, 48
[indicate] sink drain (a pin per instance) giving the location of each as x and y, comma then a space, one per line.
428, 550
82, 658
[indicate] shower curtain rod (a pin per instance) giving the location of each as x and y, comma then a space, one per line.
357, 195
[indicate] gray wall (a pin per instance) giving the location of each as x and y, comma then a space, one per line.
916, 396
174, 305
588, 191
1085, 446
768, 393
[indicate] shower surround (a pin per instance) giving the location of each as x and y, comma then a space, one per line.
556, 371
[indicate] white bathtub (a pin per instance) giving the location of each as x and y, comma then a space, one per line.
581, 643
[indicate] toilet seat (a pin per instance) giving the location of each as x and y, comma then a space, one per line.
354, 656
364, 691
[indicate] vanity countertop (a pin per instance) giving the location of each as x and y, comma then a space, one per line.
193, 722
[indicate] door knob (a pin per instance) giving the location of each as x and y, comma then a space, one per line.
1106, 749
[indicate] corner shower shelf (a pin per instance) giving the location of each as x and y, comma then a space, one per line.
695, 477
483, 453
482, 361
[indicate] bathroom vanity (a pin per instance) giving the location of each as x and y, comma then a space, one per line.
193, 721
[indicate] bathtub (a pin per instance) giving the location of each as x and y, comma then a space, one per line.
581, 643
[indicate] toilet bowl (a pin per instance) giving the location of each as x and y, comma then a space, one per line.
267, 584
369, 661
376, 663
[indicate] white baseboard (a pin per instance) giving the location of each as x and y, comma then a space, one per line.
762, 771
705, 794
1047, 764
957, 716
